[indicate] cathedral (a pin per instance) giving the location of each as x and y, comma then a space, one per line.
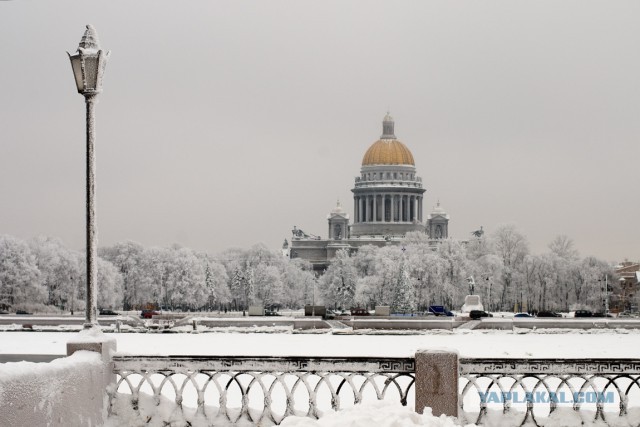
387, 203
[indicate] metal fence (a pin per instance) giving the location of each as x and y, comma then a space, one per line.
538, 390
261, 390
265, 390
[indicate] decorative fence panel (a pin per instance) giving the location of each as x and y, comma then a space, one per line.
260, 390
179, 390
537, 391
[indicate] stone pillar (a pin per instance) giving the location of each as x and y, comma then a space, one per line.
410, 206
437, 381
384, 207
368, 214
401, 216
393, 206
375, 208
415, 208
355, 209
364, 208
359, 208
94, 340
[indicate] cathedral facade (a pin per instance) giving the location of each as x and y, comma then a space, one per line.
387, 203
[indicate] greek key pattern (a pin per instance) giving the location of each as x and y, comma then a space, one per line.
261, 391
599, 391
551, 366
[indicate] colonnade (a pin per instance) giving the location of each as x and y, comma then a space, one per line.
387, 207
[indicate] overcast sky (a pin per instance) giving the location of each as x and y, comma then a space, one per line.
225, 124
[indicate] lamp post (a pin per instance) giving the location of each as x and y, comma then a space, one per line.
88, 65
605, 293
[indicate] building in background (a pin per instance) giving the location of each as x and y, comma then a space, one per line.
387, 203
629, 277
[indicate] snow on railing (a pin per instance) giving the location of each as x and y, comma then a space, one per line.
181, 390
571, 391
261, 390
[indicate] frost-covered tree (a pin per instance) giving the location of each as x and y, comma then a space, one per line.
186, 281
299, 283
268, 285
128, 259
564, 248
455, 272
404, 300
242, 287
339, 281
108, 284
365, 260
59, 270
216, 284
512, 247
20, 279
486, 270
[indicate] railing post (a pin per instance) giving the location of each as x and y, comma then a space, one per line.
94, 340
437, 381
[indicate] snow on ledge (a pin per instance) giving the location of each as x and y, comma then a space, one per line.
12, 371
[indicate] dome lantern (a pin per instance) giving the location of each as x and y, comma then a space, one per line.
387, 127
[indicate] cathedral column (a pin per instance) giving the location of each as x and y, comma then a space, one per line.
415, 208
401, 216
355, 209
384, 208
359, 209
393, 210
367, 209
375, 208
410, 206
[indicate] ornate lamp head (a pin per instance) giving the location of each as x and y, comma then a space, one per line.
88, 63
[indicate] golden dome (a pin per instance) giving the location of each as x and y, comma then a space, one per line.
388, 152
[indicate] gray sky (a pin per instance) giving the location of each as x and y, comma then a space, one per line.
226, 123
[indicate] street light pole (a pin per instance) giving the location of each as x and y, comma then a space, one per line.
606, 294
88, 65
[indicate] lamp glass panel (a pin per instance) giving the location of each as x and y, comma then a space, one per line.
77, 71
91, 71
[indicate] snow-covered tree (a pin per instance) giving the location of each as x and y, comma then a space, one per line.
59, 270
128, 259
108, 284
404, 300
20, 279
512, 247
216, 283
339, 281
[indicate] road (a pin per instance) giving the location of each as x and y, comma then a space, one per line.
51, 320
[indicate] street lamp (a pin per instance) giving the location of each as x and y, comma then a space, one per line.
605, 290
88, 67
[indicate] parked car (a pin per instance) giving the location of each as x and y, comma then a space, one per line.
359, 311
522, 315
439, 310
4, 312
477, 314
23, 312
583, 313
148, 314
271, 313
108, 313
548, 314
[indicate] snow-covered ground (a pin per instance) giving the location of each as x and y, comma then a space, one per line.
470, 343
521, 343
